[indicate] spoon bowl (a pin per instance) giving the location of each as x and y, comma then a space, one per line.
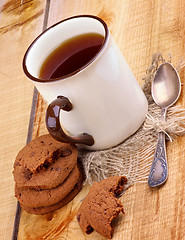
166, 88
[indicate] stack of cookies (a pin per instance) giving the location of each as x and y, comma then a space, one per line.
47, 175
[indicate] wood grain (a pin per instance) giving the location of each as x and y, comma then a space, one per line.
140, 28
19, 25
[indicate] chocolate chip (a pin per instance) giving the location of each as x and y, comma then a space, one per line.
57, 169
89, 229
66, 152
27, 174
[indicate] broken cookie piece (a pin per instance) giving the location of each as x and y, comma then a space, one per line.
101, 206
38, 154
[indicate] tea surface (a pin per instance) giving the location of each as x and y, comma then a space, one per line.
72, 55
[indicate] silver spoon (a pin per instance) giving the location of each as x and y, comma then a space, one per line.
166, 88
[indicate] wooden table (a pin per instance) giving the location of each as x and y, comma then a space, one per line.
140, 28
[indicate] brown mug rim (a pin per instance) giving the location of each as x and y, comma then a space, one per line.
30, 76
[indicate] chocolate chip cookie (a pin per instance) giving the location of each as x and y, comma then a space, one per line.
63, 202
39, 153
45, 197
52, 176
101, 206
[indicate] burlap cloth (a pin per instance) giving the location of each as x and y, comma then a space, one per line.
134, 156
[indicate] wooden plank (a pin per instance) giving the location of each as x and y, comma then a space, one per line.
139, 32
140, 28
19, 25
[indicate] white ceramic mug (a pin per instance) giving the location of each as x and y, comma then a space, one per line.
102, 102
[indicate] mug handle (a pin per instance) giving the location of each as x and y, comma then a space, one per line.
53, 123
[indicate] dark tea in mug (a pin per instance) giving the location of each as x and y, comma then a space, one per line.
72, 55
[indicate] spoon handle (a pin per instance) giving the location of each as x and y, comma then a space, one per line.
159, 170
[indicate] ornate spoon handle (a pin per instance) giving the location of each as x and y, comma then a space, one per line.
159, 170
